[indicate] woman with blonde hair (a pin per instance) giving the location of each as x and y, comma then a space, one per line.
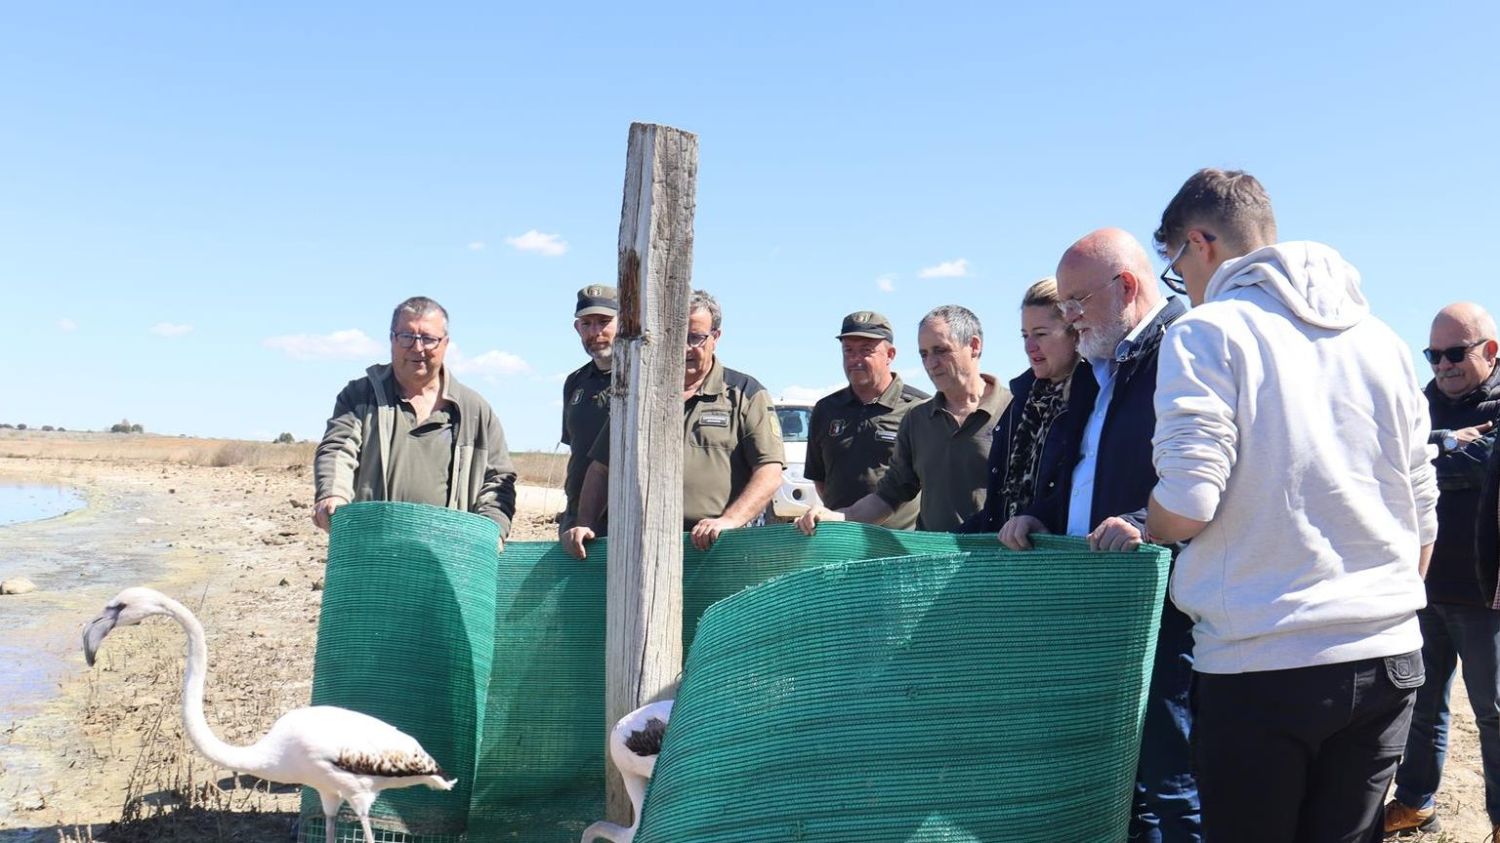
1024, 456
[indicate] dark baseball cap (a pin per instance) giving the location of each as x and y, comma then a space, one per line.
597, 298
867, 323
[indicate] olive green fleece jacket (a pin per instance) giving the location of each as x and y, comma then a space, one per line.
350, 461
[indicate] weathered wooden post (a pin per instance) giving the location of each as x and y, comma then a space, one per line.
644, 616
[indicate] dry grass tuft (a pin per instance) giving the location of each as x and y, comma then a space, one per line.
138, 447
540, 468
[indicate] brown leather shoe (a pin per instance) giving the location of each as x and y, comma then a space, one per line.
1494, 836
1404, 819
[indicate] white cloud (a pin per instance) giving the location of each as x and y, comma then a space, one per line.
886, 283
477, 246
491, 364
947, 269
170, 329
550, 245
808, 394
352, 344
67, 326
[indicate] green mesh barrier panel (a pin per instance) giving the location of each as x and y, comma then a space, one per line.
972, 696
416, 606
406, 634
539, 775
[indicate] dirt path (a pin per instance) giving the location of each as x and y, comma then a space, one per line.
234, 544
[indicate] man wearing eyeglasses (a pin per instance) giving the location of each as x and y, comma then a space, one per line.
409, 431
732, 452
1458, 624
1108, 294
1291, 449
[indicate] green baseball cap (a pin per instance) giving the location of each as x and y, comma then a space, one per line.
867, 323
597, 298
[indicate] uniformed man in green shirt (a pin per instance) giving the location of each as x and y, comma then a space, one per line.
943, 445
586, 391
731, 451
409, 431
852, 435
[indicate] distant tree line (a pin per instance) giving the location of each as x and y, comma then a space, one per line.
127, 426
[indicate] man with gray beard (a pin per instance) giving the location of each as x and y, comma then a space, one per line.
1108, 294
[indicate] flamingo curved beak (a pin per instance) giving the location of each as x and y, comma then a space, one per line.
93, 634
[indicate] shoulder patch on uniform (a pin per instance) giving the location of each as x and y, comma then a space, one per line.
714, 420
836, 427
577, 396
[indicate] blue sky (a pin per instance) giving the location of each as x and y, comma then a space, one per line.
208, 210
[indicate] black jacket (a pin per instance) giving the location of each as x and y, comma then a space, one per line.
1064, 430
1487, 531
1124, 475
1455, 576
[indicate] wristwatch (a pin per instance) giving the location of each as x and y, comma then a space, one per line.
1450, 443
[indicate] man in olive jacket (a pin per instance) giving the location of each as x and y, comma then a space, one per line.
409, 431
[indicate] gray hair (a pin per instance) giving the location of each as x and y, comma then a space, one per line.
701, 300
417, 307
963, 325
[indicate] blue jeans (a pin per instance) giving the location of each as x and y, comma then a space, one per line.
1454, 634
1166, 792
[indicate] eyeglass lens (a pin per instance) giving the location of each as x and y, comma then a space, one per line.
408, 340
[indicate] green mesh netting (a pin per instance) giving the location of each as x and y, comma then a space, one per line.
402, 577
965, 697
406, 635
539, 776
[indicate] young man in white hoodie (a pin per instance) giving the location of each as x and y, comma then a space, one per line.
1291, 449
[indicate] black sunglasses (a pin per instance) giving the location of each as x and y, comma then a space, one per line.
1456, 354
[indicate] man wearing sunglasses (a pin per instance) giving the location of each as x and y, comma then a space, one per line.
408, 431
1459, 624
1291, 449
732, 452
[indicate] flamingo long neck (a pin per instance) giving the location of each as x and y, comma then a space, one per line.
246, 759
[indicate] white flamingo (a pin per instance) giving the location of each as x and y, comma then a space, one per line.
342, 754
634, 743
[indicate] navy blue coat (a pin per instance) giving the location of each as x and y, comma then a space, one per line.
1061, 432
1124, 473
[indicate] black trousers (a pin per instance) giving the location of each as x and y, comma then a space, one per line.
1303, 754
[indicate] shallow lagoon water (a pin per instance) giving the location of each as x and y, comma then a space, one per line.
33, 502
77, 563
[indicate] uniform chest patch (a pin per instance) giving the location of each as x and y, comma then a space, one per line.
836, 427
577, 396
713, 420
886, 435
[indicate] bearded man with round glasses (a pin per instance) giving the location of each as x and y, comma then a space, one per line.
409, 431
1459, 623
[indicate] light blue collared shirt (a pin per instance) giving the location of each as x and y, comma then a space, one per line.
1081, 500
